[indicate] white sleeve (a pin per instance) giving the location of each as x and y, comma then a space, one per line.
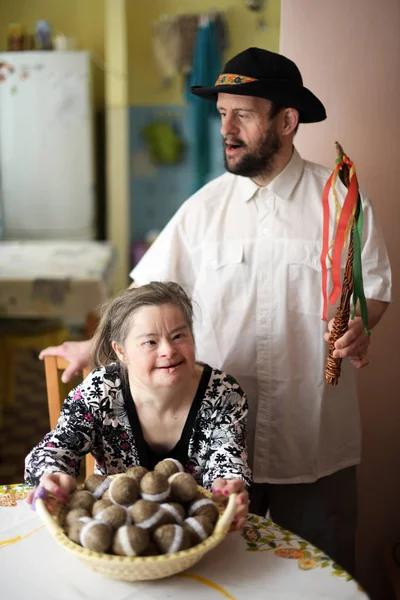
168, 258
377, 277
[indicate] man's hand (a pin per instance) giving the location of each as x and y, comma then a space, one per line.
225, 487
76, 353
354, 343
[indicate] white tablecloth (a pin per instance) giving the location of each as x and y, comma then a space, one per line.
265, 562
54, 279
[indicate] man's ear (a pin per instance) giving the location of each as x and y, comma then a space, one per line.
119, 351
290, 120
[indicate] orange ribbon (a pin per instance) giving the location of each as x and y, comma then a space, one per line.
343, 228
345, 215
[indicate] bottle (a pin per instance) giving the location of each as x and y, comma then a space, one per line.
15, 38
43, 35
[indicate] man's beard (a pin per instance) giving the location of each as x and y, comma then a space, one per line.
257, 161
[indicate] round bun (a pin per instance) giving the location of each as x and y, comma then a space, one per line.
74, 531
130, 541
115, 516
81, 499
100, 505
176, 511
137, 473
74, 515
168, 467
183, 487
154, 486
149, 515
204, 507
198, 528
97, 484
171, 538
123, 490
96, 536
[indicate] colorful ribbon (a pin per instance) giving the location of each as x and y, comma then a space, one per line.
351, 213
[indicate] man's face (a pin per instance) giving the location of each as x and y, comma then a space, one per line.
250, 137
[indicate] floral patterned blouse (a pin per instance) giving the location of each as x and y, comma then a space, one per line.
99, 416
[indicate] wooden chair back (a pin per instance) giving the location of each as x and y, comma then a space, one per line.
53, 365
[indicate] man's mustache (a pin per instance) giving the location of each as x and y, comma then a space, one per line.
233, 141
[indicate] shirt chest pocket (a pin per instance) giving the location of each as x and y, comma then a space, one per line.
223, 256
304, 278
223, 276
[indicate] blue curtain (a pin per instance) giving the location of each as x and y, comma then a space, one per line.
206, 69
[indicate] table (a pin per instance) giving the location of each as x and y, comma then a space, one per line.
67, 279
263, 562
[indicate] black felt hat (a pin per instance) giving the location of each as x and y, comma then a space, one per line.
265, 74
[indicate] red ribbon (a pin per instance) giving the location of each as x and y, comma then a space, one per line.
338, 245
325, 245
345, 215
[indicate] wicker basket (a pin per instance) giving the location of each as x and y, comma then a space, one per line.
139, 568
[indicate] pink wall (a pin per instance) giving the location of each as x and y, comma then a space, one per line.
349, 56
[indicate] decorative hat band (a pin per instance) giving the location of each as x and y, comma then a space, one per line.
232, 79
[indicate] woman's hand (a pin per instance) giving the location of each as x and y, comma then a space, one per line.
224, 488
58, 484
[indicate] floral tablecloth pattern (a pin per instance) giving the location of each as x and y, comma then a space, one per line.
265, 562
10, 494
262, 535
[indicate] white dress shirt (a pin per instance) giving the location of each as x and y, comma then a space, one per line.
249, 257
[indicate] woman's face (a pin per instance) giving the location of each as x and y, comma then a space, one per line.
159, 348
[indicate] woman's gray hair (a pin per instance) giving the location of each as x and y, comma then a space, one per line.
117, 315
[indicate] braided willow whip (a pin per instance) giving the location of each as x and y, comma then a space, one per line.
341, 322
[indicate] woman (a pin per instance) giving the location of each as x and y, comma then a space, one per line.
149, 399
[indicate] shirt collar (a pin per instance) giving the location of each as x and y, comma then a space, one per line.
247, 188
282, 186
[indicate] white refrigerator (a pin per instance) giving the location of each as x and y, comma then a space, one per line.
46, 146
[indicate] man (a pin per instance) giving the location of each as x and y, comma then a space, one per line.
247, 248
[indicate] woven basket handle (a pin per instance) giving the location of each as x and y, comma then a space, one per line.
224, 523
46, 517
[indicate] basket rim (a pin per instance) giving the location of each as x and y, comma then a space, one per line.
226, 514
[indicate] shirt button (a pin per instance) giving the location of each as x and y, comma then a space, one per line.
265, 231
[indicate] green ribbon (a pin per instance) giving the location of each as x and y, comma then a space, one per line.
358, 286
